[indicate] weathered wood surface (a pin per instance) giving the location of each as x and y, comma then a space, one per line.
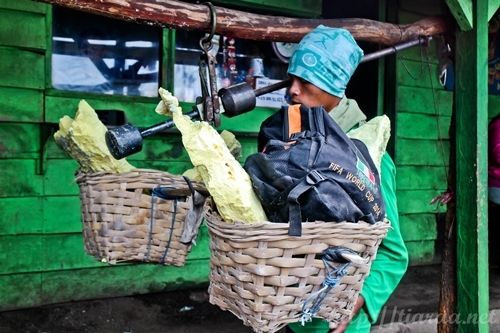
239, 24
448, 290
471, 96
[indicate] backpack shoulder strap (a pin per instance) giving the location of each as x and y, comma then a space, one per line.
293, 120
316, 119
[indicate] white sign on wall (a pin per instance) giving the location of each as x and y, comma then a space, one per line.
275, 99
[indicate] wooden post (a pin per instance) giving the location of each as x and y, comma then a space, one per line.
448, 295
471, 206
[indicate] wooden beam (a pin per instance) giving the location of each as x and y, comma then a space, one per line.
462, 11
234, 23
471, 149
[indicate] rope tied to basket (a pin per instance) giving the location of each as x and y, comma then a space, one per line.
330, 256
160, 192
163, 192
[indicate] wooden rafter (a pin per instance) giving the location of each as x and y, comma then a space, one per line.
234, 23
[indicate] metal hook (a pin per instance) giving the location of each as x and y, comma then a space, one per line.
206, 42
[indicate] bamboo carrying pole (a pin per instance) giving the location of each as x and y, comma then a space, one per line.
238, 24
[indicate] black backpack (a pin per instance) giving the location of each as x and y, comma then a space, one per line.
309, 170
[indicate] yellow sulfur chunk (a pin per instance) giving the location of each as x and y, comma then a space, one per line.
83, 139
232, 144
225, 179
374, 134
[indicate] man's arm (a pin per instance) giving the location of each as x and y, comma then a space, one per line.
389, 265
392, 256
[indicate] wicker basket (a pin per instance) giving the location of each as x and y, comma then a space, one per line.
124, 219
263, 276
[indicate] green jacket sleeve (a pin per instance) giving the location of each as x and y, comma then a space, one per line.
391, 261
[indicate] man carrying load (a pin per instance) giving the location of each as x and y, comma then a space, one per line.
321, 68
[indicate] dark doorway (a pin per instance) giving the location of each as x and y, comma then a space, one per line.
363, 86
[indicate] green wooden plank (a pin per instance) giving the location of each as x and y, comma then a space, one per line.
19, 140
20, 291
421, 178
48, 53
424, 100
418, 202
120, 280
493, 8
59, 178
421, 252
422, 126
425, 53
20, 215
167, 147
248, 146
137, 111
422, 152
472, 171
61, 206
18, 178
23, 29
493, 105
25, 5
417, 74
21, 105
418, 227
21, 68
53, 151
462, 12
201, 250
20, 253
168, 59
66, 251
247, 122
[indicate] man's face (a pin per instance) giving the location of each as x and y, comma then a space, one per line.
305, 93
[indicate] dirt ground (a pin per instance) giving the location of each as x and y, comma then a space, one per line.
174, 312
185, 311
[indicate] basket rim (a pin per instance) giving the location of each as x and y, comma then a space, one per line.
317, 229
83, 177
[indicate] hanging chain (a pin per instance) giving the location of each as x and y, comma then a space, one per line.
211, 107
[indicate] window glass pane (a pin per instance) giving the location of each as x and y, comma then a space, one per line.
96, 54
237, 61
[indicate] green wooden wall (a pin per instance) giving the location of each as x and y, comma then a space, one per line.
422, 119
41, 246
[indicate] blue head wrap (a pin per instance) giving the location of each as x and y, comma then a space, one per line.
326, 57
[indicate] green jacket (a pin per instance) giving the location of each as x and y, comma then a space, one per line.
392, 256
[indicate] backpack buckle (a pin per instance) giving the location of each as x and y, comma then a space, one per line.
314, 177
